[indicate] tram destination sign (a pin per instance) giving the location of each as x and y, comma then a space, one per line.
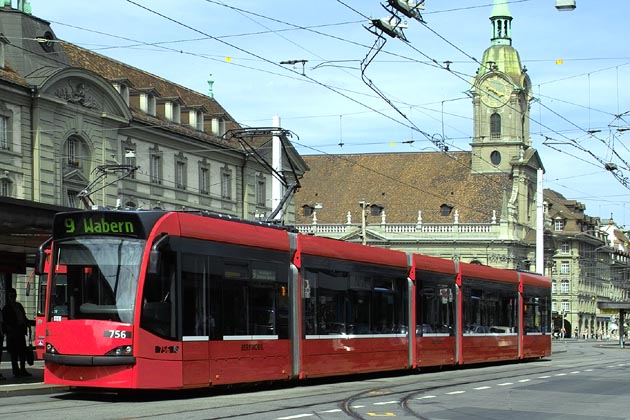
98, 223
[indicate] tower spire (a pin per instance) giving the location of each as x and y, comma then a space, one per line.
501, 23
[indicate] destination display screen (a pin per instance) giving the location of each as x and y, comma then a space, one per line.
98, 223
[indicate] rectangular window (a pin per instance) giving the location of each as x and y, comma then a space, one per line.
564, 267
435, 311
233, 292
565, 306
156, 168
4, 134
180, 175
564, 286
343, 298
204, 181
226, 184
151, 105
559, 225
73, 199
554, 287
261, 190
565, 248
536, 315
72, 152
554, 306
489, 308
5, 188
130, 160
199, 121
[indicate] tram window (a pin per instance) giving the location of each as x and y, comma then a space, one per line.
536, 311
197, 319
489, 307
354, 299
158, 300
435, 309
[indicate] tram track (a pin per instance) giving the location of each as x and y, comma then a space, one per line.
400, 392
404, 397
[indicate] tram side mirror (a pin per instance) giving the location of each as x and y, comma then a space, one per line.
43, 252
40, 263
155, 255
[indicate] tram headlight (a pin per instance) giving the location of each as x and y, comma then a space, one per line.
51, 349
120, 351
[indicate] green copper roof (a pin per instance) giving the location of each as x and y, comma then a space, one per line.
506, 58
501, 52
500, 9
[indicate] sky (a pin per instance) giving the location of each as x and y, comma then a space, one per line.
578, 62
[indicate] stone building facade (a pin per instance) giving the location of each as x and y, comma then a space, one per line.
78, 128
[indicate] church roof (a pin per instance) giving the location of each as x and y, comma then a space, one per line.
403, 183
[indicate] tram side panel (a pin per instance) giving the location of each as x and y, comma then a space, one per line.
235, 311
490, 314
536, 311
436, 311
354, 309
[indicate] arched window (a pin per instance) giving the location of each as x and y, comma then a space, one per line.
495, 126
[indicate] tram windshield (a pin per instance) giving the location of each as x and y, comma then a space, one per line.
99, 280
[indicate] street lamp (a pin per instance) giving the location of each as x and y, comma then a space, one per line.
375, 210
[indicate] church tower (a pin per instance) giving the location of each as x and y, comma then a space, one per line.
501, 93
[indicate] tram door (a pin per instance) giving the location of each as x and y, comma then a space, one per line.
197, 320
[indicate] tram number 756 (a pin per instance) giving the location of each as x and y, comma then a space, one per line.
117, 334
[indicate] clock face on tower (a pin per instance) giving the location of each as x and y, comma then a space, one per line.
494, 92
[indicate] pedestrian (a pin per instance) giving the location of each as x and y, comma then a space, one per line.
563, 332
2, 378
16, 326
575, 333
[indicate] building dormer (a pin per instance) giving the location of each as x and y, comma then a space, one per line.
193, 116
123, 87
216, 125
170, 109
144, 99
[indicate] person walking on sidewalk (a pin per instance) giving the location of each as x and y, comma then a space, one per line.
15, 324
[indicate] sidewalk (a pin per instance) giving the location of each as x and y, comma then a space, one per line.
30, 385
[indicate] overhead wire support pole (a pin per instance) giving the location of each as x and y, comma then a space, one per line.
103, 170
291, 187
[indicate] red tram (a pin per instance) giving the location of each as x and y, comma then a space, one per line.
174, 300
